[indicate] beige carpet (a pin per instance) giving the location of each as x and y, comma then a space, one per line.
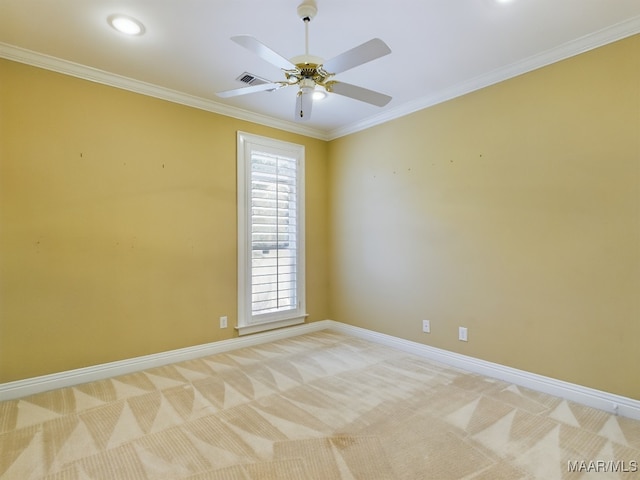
320, 406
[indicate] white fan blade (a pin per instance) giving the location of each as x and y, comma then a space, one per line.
264, 52
244, 90
304, 103
364, 53
359, 93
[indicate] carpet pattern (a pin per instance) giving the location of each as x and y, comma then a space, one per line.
320, 406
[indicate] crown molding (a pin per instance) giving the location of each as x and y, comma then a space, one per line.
572, 48
84, 72
575, 47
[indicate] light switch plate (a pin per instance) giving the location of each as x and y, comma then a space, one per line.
462, 334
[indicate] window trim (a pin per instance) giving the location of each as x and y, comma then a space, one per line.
247, 322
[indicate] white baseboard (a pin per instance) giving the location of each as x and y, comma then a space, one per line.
30, 386
609, 402
590, 397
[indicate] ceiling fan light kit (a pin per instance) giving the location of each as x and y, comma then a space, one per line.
312, 74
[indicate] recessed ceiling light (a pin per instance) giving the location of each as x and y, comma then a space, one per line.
126, 24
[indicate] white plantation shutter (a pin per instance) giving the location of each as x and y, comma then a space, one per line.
273, 233
270, 233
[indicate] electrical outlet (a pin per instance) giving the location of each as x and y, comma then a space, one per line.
426, 326
223, 322
462, 334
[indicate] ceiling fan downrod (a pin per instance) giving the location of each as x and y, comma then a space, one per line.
306, 11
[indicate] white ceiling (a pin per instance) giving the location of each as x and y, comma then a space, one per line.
440, 48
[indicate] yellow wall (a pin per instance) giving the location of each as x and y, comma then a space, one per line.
513, 211
118, 223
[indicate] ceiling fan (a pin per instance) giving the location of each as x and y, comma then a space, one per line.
308, 71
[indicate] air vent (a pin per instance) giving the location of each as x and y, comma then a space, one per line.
251, 79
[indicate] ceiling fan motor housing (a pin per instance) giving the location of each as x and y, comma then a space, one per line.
309, 69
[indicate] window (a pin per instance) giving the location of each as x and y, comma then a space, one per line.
270, 234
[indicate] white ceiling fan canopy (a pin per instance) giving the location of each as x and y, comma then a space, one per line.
307, 10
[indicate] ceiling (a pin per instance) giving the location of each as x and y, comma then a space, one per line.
440, 48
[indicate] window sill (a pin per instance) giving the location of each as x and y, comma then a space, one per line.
263, 327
